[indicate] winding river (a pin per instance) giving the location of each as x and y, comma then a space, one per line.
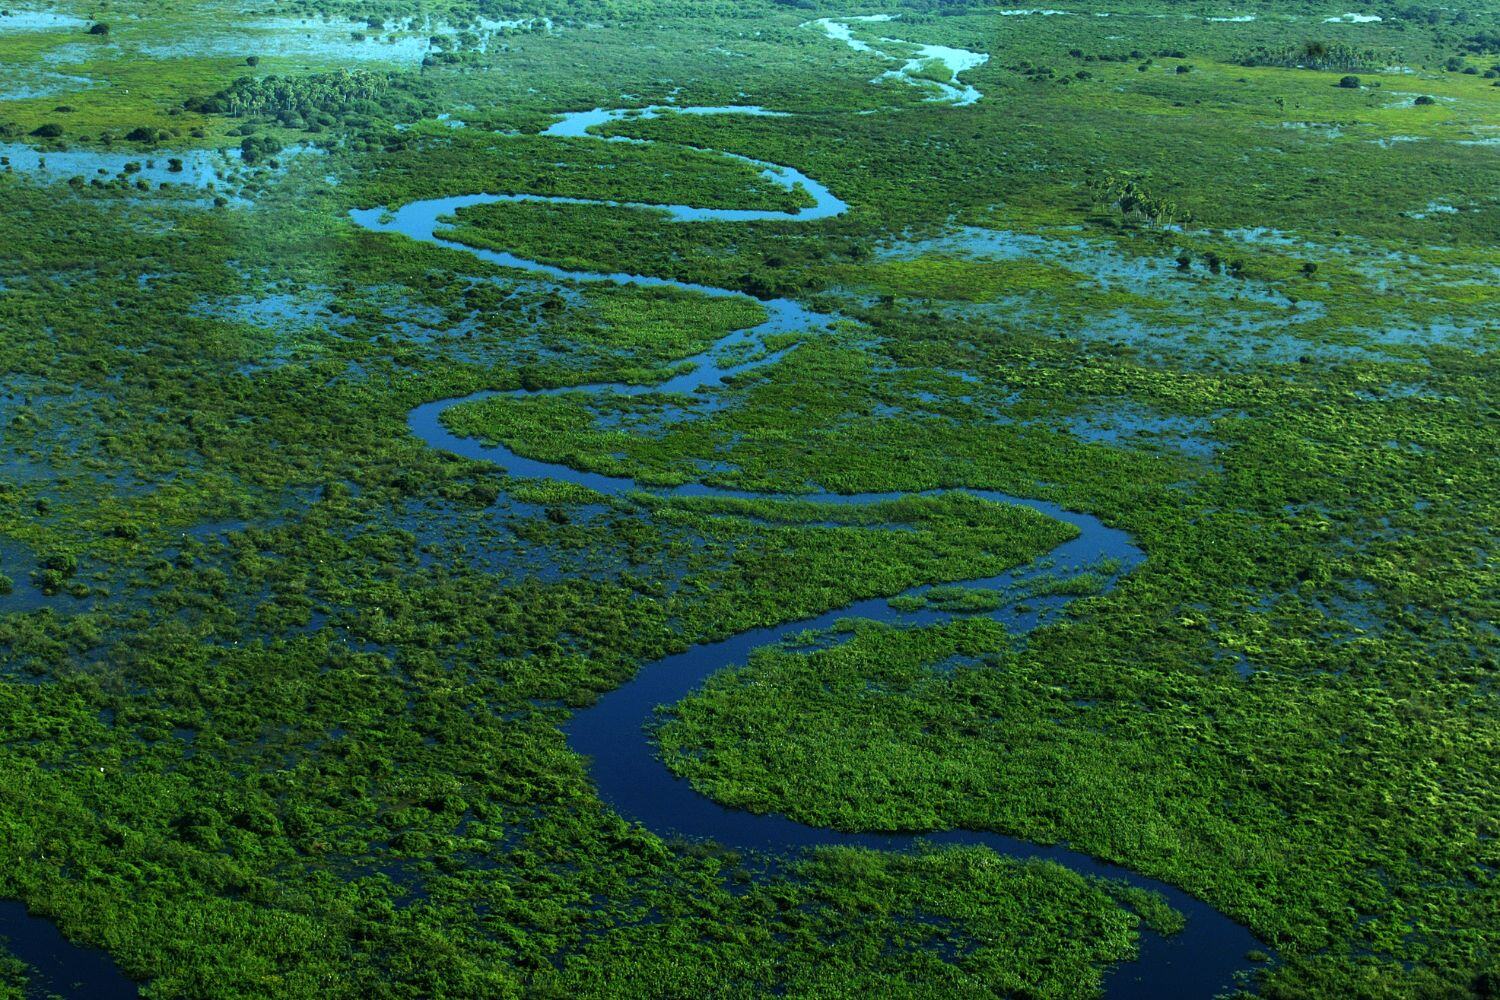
1200, 961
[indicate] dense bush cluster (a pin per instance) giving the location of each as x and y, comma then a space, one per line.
1318, 55
318, 100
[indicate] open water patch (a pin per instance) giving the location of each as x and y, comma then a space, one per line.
919, 65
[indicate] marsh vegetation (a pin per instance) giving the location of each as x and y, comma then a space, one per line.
298, 656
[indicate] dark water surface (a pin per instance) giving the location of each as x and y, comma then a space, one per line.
57, 965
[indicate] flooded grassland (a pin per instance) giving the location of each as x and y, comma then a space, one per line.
820, 501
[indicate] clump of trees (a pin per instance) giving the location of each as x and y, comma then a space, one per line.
277, 95
319, 100
258, 147
1318, 55
1132, 200
1482, 43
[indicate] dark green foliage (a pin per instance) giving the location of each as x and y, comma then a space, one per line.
317, 100
1318, 55
1483, 43
1130, 197
283, 687
256, 148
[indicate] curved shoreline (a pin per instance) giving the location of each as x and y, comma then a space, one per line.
1202, 960
61, 967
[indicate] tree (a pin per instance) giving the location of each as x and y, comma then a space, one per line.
1349, 82
99, 28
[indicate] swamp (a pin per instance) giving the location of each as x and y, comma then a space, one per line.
740, 498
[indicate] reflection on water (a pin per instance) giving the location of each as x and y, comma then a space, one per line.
210, 170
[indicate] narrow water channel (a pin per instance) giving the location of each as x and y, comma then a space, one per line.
1198, 962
